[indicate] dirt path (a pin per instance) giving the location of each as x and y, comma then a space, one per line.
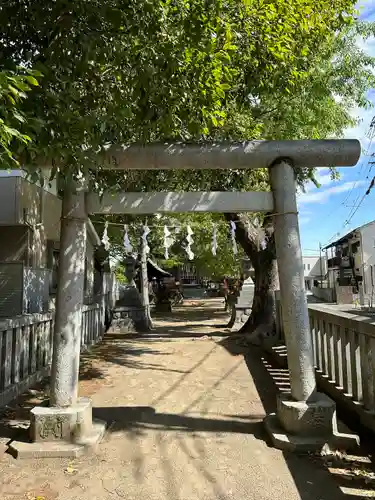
195, 318
185, 423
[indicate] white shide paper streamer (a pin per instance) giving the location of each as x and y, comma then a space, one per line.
190, 241
146, 232
168, 242
127, 245
105, 238
233, 237
214, 240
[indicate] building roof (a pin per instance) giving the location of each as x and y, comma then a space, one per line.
153, 270
347, 236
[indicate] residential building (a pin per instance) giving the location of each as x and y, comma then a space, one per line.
314, 269
351, 261
29, 246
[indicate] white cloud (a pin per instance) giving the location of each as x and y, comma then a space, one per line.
323, 179
323, 176
303, 220
322, 195
361, 130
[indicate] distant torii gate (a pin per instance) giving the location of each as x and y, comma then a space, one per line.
305, 417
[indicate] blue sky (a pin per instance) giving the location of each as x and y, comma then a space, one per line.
326, 212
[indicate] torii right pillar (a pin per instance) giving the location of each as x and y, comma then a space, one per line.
305, 419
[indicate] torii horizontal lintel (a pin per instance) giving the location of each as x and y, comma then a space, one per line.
244, 155
169, 202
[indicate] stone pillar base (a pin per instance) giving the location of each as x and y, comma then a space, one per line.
242, 304
307, 426
127, 319
60, 432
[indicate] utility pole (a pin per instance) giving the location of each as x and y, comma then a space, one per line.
321, 265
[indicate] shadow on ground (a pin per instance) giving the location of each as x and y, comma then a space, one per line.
138, 418
125, 350
353, 475
94, 364
14, 418
317, 478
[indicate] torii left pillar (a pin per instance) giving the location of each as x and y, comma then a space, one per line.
65, 428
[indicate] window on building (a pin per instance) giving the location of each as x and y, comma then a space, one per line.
304, 267
308, 267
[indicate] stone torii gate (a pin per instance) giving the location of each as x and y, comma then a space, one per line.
305, 419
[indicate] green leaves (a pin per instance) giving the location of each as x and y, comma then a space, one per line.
32, 80
14, 86
120, 72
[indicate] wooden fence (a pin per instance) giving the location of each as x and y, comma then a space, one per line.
26, 347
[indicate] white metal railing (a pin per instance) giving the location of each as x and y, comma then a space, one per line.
26, 347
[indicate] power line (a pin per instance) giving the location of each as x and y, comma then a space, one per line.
355, 182
370, 134
372, 183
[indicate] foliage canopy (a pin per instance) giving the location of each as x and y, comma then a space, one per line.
118, 72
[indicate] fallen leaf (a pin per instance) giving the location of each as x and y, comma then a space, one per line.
70, 470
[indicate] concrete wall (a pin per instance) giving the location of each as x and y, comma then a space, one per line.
36, 290
42, 210
41, 206
50, 186
344, 294
22, 202
37, 212
8, 197
14, 243
325, 294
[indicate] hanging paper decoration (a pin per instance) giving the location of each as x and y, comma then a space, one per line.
146, 232
127, 245
233, 236
168, 241
214, 240
190, 241
105, 239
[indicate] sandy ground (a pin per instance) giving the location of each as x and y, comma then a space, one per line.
184, 420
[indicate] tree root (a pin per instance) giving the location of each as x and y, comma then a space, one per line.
262, 336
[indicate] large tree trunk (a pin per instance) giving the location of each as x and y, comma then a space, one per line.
260, 329
258, 243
